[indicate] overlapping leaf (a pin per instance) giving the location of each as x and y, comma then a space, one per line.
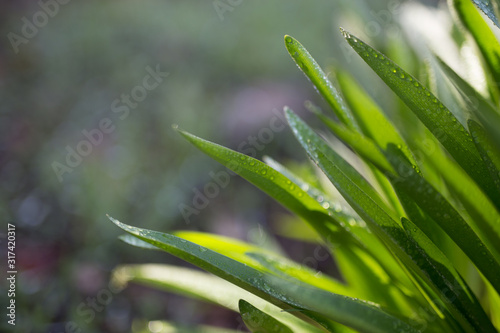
304, 301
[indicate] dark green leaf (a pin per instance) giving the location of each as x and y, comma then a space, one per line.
302, 300
260, 322
435, 116
312, 70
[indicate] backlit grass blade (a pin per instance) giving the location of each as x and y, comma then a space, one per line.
435, 116
277, 186
312, 70
484, 37
357, 141
260, 322
329, 224
488, 151
300, 299
257, 258
482, 109
364, 147
377, 219
203, 286
466, 301
487, 7
306, 133
443, 213
369, 116
358, 227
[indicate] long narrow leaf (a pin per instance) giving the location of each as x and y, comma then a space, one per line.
435, 116
312, 70
304, 301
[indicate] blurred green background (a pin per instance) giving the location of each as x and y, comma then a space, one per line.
227, 71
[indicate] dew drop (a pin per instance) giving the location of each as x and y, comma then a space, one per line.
263, 172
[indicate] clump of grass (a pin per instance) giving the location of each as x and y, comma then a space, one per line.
419, 245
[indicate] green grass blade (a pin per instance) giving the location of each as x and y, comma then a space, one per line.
443, 213
487, 8
368, 151
328, 223
465, 301
358, 142
373, 248
300, 299
488, 151
478, 106
278, 187
257, 258
259, 321
319, 195
202, 286
311, 69
484, 37
369, 116
439, 120
305, 133
377, 219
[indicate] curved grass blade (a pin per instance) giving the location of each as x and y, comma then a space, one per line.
203, 286
306, 133
484, 37
488, 151
265, 261
311, 69
329, 224
259, 321
278, 187
364, 147
435, 116
487, 8
443, 213
465, 300
255, 257
358, 142
304, 301
482, 109
376, 249
377, 219
372, 121
313, 191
